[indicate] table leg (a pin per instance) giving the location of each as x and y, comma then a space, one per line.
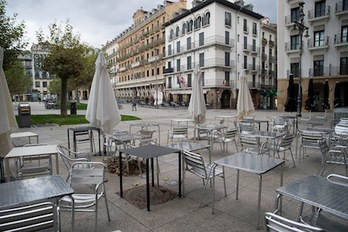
152, 173
120, 165
147, 185
179, 165
57, 166
237, 185
7, 168
259, 202
213, 198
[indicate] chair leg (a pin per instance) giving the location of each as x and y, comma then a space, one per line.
292, 157
107, 206
203, 192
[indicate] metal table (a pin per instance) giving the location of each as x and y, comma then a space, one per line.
146, 125
81, 129
258, 122
191, 146
256, 164
18, 152
209, 128
34, 190
319, 192
28, 135
149, 152
266, 135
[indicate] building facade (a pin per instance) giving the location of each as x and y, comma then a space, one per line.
137, 54
323, 54
222, 38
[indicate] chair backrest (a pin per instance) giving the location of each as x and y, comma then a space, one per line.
194, 163
180, 131
144, 142
276, 223
338, 179
65, 155
247, 125
93, 173
310, 137
37, 217
230, 133
247, 141
324, 148
286, 141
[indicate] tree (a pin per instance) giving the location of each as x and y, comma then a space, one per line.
66, 57
16, 74
11, 36
84, 80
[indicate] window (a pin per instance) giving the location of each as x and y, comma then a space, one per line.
245, 42
183, 29
189, 80
171, 34
295, 42
245, 25
178, 46
295, 69
344, 34
178, 64
201, 39
254, 63
206, 19
44, 84
37, 84
203, 78
228, 19
190, 26
227, 58
345, 5
319, 38
295, 14
188, 42
189, 62
227, 37
254, 29
254, 80
254, 45
169, 64
198, 22
227, 78
319, 8
177, 30
245, 63
318, 68
169, 50
343, 65
201, 60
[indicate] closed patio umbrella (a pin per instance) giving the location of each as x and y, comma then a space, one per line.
310, 100
245, 103
102, 109
290, 105
197, 107
8, 121
337, 100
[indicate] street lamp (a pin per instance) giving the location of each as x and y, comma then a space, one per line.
298, 25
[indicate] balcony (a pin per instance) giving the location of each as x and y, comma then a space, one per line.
340, 40
168, 70
291, 48
135, 64
318, 45
248, 48
289, 20
316, 16
271, 44
264, 42
341, 9
263, 57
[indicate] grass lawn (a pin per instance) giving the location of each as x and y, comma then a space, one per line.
68, 120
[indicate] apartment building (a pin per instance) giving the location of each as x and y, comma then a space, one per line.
26, 60
321, 27
222, 38
137, 54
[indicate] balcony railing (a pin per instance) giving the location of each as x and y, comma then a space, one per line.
341, 9
313, 44
314, 14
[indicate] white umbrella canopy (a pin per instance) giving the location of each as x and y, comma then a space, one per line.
8, 121
197, 107
245, 103
102, 109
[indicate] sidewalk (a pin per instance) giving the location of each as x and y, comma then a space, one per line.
183, 214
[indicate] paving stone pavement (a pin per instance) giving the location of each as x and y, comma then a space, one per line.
183, 214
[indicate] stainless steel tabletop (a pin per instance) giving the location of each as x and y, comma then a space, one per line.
257, 164
189, 146
263, 134
319, 192
23, 192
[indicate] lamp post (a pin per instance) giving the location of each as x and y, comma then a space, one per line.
301, 28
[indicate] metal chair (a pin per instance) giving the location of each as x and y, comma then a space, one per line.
332, 157
226, 137
309, 140
86, 198
36, 217
284, 144
251, 145
178, 133
279, 124
34, 165
85, 136
277, 223
194, 163
246, 125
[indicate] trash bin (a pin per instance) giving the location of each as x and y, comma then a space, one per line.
24, 115
73, 107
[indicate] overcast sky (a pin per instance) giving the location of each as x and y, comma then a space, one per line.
96, 21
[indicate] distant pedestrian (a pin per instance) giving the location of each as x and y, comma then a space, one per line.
134, 106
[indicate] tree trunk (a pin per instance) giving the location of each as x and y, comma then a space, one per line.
63, 106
